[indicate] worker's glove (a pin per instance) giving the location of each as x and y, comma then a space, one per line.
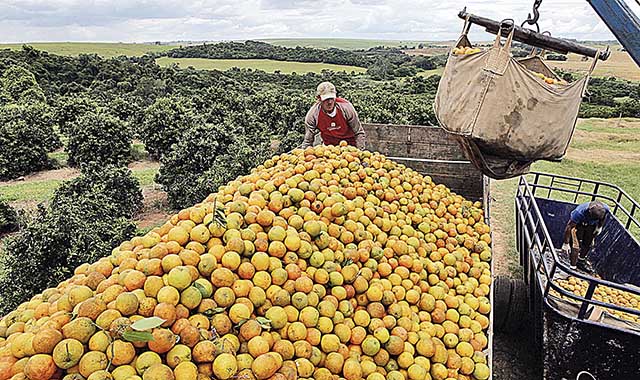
597, 231
566, 249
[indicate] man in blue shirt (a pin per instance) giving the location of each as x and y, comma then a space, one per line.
584, 225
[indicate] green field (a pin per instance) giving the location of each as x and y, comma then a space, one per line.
619, 65
428, 73
40, 191
106, 50
36, 191
267, 65
340, 43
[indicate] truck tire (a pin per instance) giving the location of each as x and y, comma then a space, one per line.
518, 306
501, 301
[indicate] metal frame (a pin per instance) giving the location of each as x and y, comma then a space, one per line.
592, 189
533, 238
533, 38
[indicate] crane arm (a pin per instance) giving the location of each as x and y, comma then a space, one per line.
623, 23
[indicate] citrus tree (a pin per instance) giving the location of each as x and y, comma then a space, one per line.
99, 137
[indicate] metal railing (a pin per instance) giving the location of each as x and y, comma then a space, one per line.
534, 240
578, 190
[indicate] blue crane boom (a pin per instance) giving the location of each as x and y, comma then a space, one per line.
623, 23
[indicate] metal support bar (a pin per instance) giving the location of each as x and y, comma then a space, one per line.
631, 217
615, 210
583, 308
533, 38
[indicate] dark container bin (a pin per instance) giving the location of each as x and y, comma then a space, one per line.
570, 334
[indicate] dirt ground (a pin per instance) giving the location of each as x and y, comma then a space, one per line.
602, 155
144, 164
513, 357
154, 210
60, 174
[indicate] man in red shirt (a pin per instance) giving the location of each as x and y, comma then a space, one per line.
334, 118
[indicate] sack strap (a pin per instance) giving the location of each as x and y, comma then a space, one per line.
542, 51
500, 55
593, 64
466, 27
586, 78
507, 44
463, 39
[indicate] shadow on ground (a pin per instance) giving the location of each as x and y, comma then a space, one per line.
514, 355
514, 358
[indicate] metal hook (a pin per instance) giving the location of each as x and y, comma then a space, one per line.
536, 16
507, 25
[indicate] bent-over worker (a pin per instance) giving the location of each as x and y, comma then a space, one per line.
584, 225
335, 119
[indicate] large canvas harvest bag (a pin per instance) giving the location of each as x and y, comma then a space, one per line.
505, 116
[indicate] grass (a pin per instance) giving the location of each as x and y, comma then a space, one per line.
267, 65
428, 73
619, 65
36, 191
340, 43
619, 126
609, 142
39, 191
619, 135
60, 157
106, 50
138, 152
503, 220
145, 176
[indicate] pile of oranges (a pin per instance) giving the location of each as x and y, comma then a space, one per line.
462, 50
603, 294
324, 263
548, 80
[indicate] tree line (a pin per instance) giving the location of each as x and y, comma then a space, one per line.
381, 62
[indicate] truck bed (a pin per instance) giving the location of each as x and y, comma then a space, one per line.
574, 329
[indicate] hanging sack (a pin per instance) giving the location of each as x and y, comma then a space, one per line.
506, 115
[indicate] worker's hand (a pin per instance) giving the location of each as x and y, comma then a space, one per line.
597, 231
566, 249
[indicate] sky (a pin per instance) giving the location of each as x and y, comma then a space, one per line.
213, 20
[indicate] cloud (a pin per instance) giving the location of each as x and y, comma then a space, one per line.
167, 20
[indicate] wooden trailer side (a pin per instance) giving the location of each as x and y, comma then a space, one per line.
431, 151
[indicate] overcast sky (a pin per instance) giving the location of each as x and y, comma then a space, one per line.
166, 20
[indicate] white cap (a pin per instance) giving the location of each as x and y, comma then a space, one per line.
326, 90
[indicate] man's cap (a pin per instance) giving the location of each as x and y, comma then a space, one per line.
597, 210
326, 90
